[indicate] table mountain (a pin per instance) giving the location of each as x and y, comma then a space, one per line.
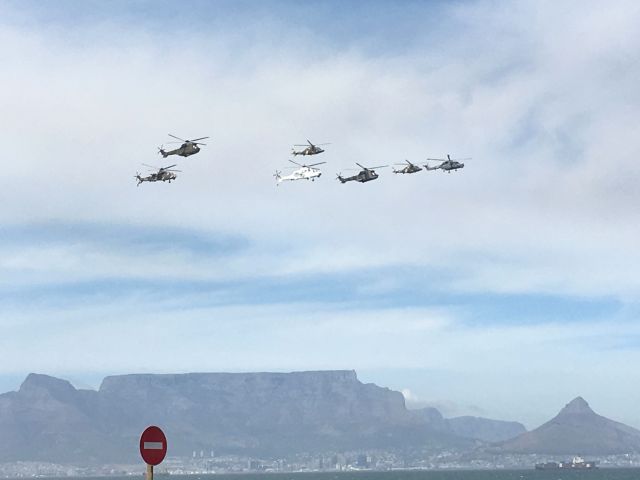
577, 429
47, 419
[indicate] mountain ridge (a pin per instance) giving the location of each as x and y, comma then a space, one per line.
254, 413
576, 429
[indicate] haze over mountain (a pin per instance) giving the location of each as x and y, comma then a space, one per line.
577, 429
48, 419
251, 413
478, 428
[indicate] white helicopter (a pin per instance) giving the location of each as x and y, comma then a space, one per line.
305, 172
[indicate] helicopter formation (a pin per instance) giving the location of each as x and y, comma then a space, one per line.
365, 174
168, 174
301, 171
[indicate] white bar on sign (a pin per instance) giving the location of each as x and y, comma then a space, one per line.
152, 446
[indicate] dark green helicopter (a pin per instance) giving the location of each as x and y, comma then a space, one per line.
164, 174
365, 175
407, 167
188, 147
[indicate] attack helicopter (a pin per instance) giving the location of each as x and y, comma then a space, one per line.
408, 167
188, 147
447, 164
310, 149
365, 175
164, 174
305, 172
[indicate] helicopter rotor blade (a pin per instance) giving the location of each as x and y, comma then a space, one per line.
150, 166
170, 166
373, 168
437, 159
299, 164
314, 164
177, 138
198, 143
196, 139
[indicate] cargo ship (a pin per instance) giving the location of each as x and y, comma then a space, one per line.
578, 463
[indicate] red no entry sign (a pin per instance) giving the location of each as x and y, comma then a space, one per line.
153, 445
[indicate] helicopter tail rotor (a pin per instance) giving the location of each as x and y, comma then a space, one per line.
162, 152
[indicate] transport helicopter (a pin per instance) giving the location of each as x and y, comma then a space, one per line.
408, 167
164, 174
188, 147
310, 149
305, 172
365, 175
447, 164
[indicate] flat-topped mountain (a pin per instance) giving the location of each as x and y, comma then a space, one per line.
577, 429
252, 413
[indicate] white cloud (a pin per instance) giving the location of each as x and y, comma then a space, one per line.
543, 97
550, 127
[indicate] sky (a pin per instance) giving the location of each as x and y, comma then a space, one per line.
503, 290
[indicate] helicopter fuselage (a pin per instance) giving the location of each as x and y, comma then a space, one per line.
408, 169
362, 177
308, 151
304, 173
447, 166
185, 150
161, 176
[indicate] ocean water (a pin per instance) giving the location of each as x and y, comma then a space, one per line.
598, 474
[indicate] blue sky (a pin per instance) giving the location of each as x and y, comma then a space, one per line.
473, 291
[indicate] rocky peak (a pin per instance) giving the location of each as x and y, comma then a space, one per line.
577, 406
38, 384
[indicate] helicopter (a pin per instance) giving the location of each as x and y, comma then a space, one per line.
164, 174
447, 165
310, 149
408, 168
365, 175
305, 172
188, 147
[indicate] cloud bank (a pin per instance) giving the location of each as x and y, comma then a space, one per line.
230, 272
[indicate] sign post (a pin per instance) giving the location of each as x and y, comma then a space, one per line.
153, 448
